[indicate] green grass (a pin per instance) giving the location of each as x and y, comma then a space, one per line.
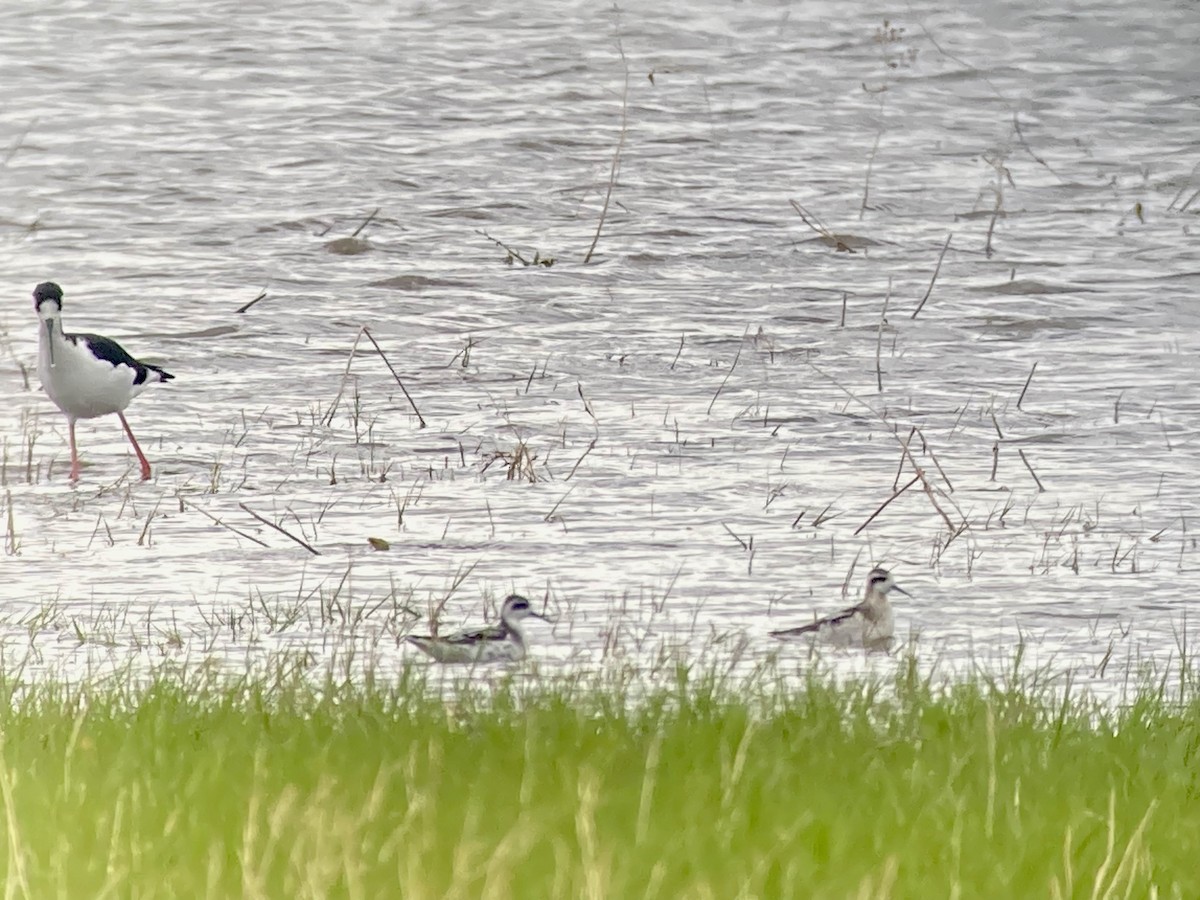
198, 787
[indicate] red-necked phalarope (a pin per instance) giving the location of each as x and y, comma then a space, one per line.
87, 375
867, 624
492, 643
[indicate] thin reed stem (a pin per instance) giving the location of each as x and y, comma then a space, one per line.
282, 530
936, 269
616, 160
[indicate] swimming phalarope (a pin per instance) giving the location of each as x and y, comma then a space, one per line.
492, 643
87, 375
867, 624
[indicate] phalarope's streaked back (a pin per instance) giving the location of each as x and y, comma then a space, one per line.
492, 643
867, 624
87, 375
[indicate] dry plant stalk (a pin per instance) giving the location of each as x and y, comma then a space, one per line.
261, 296
1036, 480
879, 338
328, 420
1002, 175
366, 222
862, 209
363, 330
518, 463
1024, 389
282, 530
184, 503
918, 470
407, 396
616, 160
936, 269
538, 259
884, 505
811, 220
728, 374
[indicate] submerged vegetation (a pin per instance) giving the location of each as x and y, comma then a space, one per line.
591, 787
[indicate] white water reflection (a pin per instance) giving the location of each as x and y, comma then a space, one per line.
701, 402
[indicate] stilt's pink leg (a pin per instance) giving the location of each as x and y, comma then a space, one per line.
74, 451
136, 449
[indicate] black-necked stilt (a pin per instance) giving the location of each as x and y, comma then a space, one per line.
492, 643
87, 375
867, 624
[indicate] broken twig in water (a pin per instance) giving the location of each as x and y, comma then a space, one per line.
678, 352
900, 466
366, 222
879, 338
282, 530
885, 503
1038, 481
586, 407
929, 489
261, 296
590, 448
870, 165
550, 515
936, 269
1002, 174
363, 330
213, 518
328, 420
407, 396
616, 160
1024, 143
811, 220
1024, 389
730, 372
938, 465
538, 259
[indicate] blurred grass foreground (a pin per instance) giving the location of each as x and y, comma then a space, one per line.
593, 787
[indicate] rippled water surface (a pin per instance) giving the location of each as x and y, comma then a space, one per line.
713, 407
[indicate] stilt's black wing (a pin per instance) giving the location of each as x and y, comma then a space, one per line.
111, 352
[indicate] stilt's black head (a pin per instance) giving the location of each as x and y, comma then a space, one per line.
47, 290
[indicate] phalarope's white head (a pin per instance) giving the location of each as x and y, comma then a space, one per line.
867, 624
87, 375
492, 643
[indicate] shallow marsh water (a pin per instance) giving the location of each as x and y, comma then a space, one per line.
702, 399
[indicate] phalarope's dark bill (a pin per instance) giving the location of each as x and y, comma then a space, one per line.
87, 375
492, 643
867, 624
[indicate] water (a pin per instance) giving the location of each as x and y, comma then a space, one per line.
701, 400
